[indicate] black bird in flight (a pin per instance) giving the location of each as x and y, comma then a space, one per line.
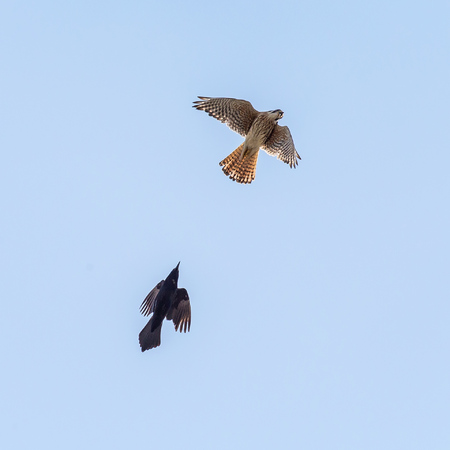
165, 300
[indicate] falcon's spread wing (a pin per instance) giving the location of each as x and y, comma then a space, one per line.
281, 145
180, 311
148, 305
237, 114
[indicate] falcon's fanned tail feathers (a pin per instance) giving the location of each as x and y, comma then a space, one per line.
240, 170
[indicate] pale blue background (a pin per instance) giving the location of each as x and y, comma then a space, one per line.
320, 295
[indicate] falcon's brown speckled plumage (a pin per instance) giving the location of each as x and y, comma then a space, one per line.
260, 129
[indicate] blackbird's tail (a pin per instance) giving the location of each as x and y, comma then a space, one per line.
150, 339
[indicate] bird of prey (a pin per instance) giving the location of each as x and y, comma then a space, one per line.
260, 129
165, 300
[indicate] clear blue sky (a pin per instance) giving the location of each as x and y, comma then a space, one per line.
320, 296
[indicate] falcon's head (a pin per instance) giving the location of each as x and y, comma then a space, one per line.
277, 113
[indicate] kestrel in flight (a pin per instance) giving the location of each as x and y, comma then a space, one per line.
260, 129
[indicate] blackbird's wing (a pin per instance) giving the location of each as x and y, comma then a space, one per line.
180, 311
148, 305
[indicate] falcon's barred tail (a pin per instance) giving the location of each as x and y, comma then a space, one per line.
150, 339
240, 170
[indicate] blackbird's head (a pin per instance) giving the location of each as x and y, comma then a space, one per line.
173, 276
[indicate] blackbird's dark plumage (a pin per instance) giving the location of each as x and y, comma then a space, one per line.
165, 300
